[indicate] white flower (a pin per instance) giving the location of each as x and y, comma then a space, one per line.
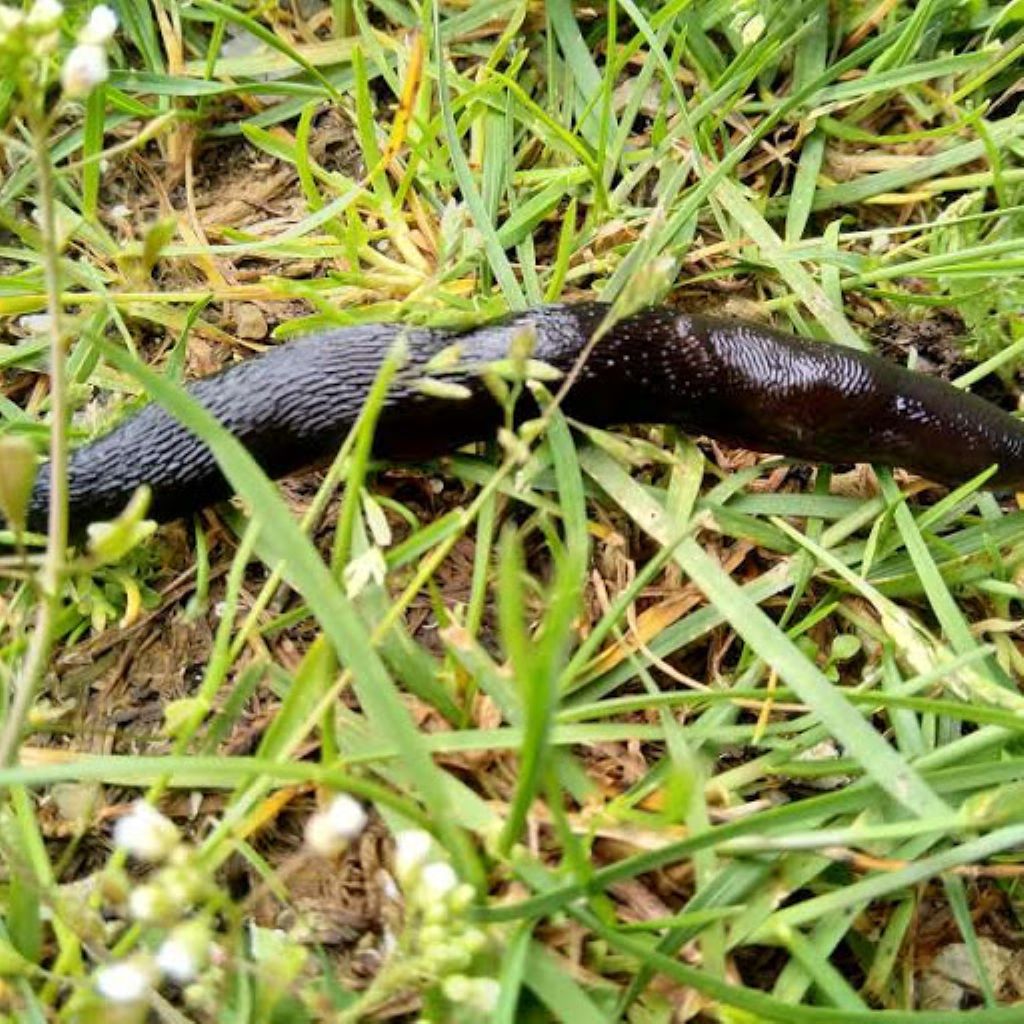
177, 962
473, 940
182, 884
347, 816
145, 833
369, 567
412, 848
100, 28
148, 903
446, 958
84, 69
184, 952
480, 994
437, 881
321, 837
456, 988
462, 897
329, 831
485, 995
126, 982
11, 19
44, 16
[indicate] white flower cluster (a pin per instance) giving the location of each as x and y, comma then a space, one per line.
165, 899
34, 34
329, 831
86, 65
181, 958
479, 994
439, 945
437, 926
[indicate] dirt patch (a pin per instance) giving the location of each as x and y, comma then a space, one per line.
934, 343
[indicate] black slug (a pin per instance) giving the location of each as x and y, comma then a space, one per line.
733, 381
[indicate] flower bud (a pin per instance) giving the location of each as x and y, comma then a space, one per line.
150, 904
329, 831
184, 884
17, 475
84, 69
474, 940
432, 935
438, 881
129, 981
184, 952
434, 912
412, 848
100, 28
462, 898
11, 22
145, 833
480, 994
44, 16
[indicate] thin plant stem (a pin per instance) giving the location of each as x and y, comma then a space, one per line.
51, 572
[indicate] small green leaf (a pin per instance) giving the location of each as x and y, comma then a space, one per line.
12, 963
434, 388
845, 647
531, 369
445, 360
110, 542
158, 237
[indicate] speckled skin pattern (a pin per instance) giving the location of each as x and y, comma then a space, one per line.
734, 381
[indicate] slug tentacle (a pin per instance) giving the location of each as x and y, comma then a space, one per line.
734, 381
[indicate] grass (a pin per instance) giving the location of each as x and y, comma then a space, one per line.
708, 741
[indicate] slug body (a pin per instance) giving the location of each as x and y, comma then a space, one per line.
737, 382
